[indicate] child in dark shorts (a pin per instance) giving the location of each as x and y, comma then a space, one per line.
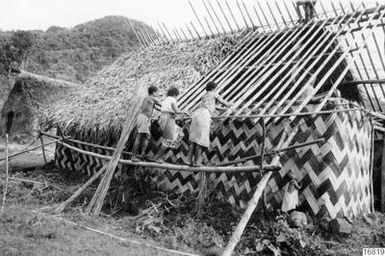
143, 122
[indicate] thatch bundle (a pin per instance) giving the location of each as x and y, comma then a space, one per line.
98, 108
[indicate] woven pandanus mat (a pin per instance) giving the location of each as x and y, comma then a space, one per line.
335, 174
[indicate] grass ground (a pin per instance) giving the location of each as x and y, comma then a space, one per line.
166, 221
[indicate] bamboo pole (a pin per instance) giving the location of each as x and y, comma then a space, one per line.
260, 20
191, 34
176, 35
181, 38
263, 145
208, 25
98, 199
5, 189
288, 12
216, 16
232, 15
246, 216
224, 15
42, 148
287, 51
363, 62
168, 32
272, 14
294, 71
371, 166
248, 15
374, 68
184, 34
78, 192
196, 31
280, 12
264, 15
243, 17
167, 166
341, 76
133, 29
252, 50
27, 150
164, 34
271, 152
211, 17
229, 59
197, 17
357, 68
383, 176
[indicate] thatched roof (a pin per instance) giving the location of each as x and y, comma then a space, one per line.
36, 92
100, 105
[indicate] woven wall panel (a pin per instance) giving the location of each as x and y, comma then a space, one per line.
334, 174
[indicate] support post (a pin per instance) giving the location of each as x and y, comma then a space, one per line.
6, 175
42, 148
383, 177
246, 216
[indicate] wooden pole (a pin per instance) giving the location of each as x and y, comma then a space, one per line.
360, 67
304, 60
98, 199
216, 16
42, 148
288, 12
5, 190
248, 15
372, 165
196, 31
383, 176
199, 21
263, 144
243, 16
27, 150
189, 31
269, 153
280, 12
211, 17
164, 34
175, 166
264, 15
272, 14
168, 32
225, 16
208, 25
232, 15
78, 192
246, 216
259, 19
133, 29
184, 34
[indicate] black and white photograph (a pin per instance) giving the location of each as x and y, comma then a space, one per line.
192, 127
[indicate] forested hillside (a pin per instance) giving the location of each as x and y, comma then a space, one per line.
71, 54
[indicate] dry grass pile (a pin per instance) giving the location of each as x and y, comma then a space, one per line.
99, 107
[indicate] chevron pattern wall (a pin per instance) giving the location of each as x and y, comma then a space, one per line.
335, 174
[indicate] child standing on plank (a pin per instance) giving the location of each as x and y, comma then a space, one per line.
201, 122
170, 130
290, 198
143, 122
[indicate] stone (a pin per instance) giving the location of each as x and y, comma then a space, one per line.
340, 226
298, 219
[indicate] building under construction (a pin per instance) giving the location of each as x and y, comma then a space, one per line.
310, 77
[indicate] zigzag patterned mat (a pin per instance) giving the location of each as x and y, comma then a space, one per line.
335, 174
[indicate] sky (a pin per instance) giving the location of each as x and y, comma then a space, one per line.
41, 14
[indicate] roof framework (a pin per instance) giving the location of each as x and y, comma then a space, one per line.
269, 69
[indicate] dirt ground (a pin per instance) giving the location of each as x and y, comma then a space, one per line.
155, 220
